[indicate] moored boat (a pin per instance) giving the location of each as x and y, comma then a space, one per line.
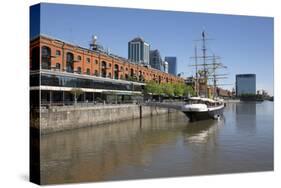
197, 108
202, 108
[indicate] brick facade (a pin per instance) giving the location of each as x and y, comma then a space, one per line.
92, 62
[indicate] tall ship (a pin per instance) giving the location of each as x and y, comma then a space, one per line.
204, 105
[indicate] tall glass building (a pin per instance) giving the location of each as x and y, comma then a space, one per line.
155, 60
172, 61
138, 51
245, 84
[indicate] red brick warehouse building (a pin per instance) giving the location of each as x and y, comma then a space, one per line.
56, 67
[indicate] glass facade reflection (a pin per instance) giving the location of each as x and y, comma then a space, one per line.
66, 81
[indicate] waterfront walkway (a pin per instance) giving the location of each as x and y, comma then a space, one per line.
174, 105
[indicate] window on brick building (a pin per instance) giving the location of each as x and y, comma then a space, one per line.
79, 70
103, 69
57, 52
88, 72
57, 66
88, 60
116, 71
96, 73
79, 58
69, 62
45, 57
96, 61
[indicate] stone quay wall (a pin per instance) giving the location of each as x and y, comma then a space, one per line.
62, 118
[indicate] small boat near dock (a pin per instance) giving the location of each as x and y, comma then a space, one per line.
197, 108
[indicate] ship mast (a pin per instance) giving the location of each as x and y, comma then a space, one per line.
216, 76
209, 69
204, 63
196, 72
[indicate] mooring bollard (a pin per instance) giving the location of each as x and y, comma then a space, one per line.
140, 111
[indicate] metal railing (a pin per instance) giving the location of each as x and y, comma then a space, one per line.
47, 104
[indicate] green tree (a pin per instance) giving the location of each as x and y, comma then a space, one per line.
168, 89
188, 90
153, 88
76, 93
179, 89
133, 78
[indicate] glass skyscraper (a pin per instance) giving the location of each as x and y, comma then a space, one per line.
156, 60
138, 51
245, 84
172, 61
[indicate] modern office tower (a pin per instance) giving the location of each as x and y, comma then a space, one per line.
172, 65
138, 51
155, 60
245, 84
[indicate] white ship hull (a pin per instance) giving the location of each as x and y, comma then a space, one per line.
197, 112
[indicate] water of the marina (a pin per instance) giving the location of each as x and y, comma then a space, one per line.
162, 146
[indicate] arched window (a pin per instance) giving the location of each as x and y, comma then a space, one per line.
88, 72
103, 69
116, 71
140, 76
57, 66
109, 75
132, 72
126, 76
35, 60
45, 57
69, 62
96, 73
79, 70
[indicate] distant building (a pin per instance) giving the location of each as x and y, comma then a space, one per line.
155, 60
138, 51
172, 65
166, 66
245, 84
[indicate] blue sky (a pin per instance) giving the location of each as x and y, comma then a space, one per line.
244, 43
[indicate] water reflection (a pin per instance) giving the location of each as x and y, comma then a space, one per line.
246, 117
162, 146
202, 132
90, 154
